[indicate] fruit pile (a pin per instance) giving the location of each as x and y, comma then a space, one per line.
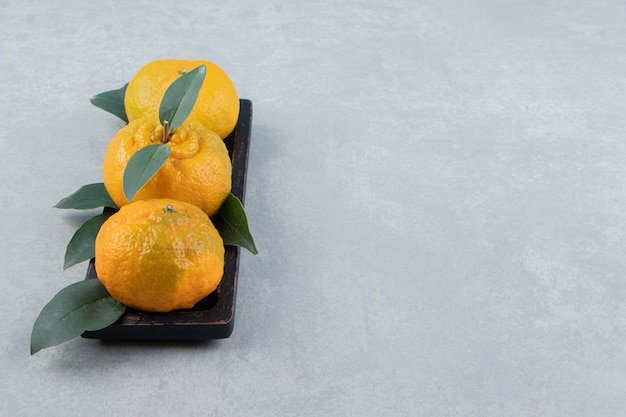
166, 173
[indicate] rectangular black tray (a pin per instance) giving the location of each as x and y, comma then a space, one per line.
213, 317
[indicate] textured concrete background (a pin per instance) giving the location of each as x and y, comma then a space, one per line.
437, 189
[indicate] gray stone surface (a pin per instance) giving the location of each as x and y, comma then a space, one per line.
437, 190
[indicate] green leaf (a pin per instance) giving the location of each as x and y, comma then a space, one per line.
84, 305
232, 224
82, 245
180, 97
87, 197
142, 166
112, 101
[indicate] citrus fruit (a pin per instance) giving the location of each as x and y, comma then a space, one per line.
217, 106
198, 170
159, 255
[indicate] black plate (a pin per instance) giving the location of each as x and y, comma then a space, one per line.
213, 317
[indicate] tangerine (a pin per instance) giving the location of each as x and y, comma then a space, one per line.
198, 170
159, 255
217, 105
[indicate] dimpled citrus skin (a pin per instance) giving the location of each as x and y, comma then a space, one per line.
217, 106
159, 255
198, 170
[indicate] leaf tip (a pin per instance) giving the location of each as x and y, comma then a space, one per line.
141, 167
34, 349
251, 246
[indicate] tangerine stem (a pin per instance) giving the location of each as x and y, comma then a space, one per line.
166, 131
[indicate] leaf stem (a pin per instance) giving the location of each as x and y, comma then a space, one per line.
166, 131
